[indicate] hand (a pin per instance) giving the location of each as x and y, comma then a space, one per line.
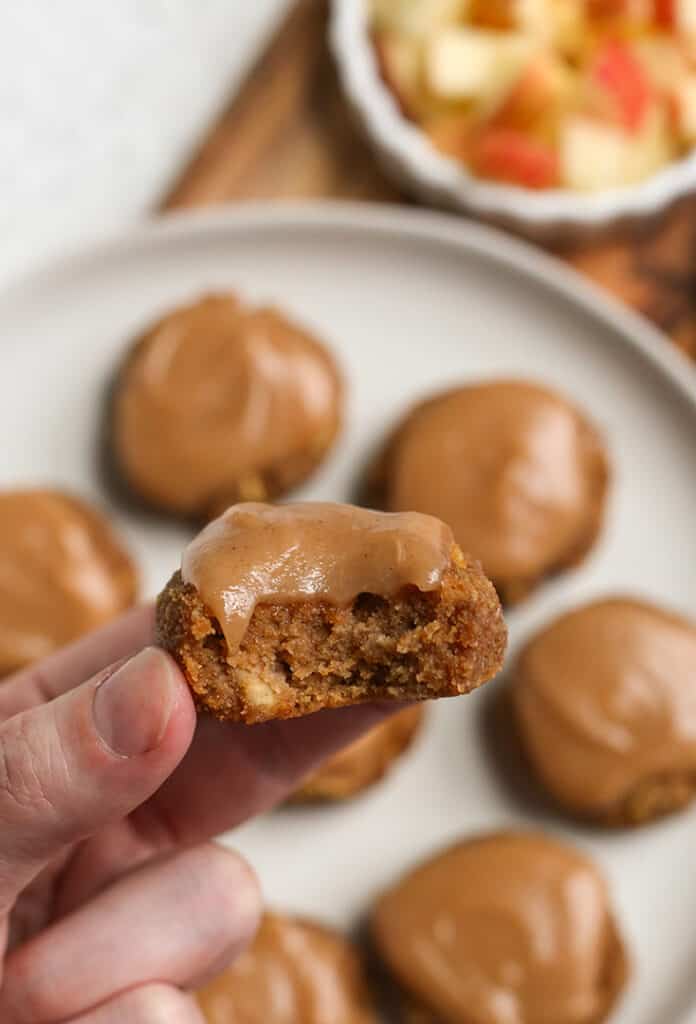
112, 900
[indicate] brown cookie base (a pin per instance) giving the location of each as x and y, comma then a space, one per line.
298, 658
654, 798
365, 762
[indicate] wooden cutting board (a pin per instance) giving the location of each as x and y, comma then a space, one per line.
288, 133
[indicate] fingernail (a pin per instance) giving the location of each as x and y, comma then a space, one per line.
132, 707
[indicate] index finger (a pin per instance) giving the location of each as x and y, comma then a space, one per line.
233, 771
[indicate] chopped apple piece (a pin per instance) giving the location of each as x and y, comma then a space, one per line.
469, 63
543, 89
506, 155
547, 21
686, 17
452, 134
685, 108
400, 63
677, 14
661, 58
500, 14
416, 17
633, 10
622, 86
597, 155
664, 13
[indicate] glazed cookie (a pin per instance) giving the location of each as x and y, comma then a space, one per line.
63, 574
279, 611
604, 699
365, 761
219, 403
295, 972
504, 927
516, 470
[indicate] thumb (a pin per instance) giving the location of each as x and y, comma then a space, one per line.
87, 759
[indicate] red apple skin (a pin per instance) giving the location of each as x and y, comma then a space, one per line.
607, 8
665, 13
503, 154
624, 84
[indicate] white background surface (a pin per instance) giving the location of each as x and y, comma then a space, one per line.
100, 104
374, 284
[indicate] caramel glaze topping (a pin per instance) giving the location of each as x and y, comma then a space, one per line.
318, 551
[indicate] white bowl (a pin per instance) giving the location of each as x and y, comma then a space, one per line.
411, 159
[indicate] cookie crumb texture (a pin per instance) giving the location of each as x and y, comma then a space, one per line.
300, 657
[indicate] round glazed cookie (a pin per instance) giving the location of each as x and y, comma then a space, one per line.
516, 470
282, 610
500, 928
62, 573
364, 762
295, 972
604, 700
219, 403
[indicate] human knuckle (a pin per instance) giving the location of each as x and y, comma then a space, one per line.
157, 1004
22, 787
27, 994
226, 894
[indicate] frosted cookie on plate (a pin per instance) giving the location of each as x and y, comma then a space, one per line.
604, 701
295, 971
279, 611
511, 926
518, 472
218, 402
63, 572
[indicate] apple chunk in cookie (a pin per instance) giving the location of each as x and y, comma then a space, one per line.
279, 611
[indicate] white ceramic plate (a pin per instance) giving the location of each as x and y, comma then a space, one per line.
408, 302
